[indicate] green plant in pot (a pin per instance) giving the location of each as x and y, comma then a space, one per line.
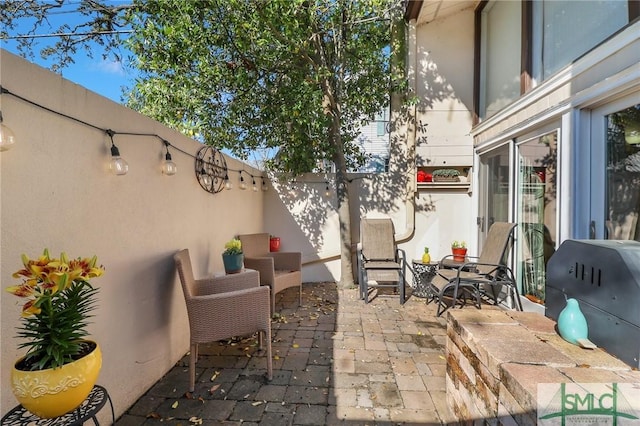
459, 250
232, 256
446, 175
61, 366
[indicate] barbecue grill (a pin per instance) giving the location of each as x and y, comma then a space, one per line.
604, 276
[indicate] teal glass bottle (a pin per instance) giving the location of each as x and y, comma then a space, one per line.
572, 324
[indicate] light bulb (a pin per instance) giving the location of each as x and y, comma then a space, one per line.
206, 179
7, 137
254, 187
169, 168
243, 185
264, 185
327, 193
227, 182
117, 165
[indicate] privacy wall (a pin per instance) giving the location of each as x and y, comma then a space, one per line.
57, 192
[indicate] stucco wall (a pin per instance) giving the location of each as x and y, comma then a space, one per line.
56, 192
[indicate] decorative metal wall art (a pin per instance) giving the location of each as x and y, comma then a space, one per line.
211, 169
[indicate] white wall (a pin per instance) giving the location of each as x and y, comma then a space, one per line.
56, 192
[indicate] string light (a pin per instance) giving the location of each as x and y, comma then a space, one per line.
254, 187
169, 168
7, 137
327, 193
207, 180
117, 165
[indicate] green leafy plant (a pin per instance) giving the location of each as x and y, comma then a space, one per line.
459, 244
233, 246
59, 304
446, 173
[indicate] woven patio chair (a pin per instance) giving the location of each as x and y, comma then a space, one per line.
223, 307
278, 270
486, 274
381, 262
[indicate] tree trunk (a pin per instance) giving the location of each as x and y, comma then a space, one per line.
344, 215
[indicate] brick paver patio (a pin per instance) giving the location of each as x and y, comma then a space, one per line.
336, 361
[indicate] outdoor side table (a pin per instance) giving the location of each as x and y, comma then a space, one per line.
423, 273
98, 397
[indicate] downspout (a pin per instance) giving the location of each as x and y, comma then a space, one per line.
411, 130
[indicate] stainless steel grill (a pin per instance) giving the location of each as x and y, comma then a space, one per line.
604, 276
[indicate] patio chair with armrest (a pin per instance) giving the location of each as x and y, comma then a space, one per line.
223, 307
278, 270
458, 280
380, 262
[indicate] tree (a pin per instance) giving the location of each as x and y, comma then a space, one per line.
102, 25
297, 76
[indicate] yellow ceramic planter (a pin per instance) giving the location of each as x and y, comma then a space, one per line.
54, 392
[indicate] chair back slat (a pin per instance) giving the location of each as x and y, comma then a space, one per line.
187, 279
377, 239
255, 245
495, 248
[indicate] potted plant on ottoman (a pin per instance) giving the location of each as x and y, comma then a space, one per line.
459, 251
60, 367
232, 256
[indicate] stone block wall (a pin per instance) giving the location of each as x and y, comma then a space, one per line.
497, 358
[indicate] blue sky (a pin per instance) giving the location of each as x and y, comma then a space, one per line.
105, 77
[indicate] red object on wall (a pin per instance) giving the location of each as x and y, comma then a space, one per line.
421, 176
429, 177
274, 244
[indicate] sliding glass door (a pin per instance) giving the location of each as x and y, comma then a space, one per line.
536, 205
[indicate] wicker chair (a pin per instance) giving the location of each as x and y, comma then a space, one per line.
489, 271
278, 270
223, 307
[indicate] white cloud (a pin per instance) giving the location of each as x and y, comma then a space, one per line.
108, 67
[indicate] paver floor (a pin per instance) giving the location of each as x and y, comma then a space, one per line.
336, 361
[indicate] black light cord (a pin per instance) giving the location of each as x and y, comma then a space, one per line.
109, 132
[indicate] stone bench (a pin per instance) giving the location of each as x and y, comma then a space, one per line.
497, 358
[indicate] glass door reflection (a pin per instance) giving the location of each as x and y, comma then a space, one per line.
536, 212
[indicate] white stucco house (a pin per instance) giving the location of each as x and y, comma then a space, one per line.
541, 100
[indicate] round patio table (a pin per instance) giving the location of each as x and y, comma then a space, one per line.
423, 273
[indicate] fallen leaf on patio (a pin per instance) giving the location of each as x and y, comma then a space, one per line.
419, 333
153, 415
247, 396
584, 366
256, 403
174, 405
276, 357
441, 357
195, 420
214, 388
295, 345
214, 375
188, 395
201, 399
